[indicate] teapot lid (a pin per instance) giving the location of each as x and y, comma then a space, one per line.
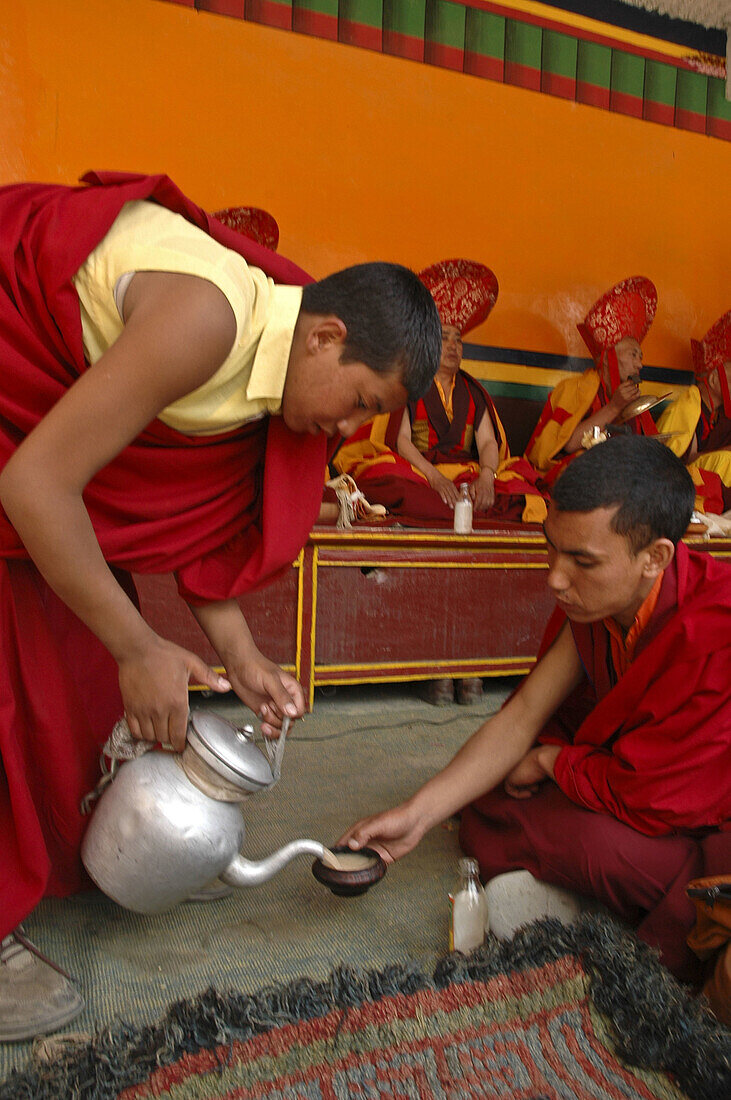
231, 752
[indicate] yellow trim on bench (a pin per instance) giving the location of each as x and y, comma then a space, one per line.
372, 564
451, 663
430, 535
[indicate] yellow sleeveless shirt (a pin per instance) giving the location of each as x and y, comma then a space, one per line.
250, 383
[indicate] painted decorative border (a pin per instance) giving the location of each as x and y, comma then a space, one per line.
520, 42
517, 372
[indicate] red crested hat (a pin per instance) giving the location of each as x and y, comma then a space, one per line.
712, 353
628, 309
464, 291
714, 349
252, 222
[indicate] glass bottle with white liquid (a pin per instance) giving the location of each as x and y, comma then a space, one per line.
469, 909
463, 511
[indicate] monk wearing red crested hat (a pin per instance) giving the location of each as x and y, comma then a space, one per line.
613, 331
452, 435
701, 419
414, 464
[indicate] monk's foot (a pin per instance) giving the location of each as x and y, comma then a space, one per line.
440, 693
468, 691
35, 997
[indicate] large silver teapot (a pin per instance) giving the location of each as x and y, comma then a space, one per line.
169, 823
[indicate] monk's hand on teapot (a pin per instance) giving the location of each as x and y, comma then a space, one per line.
446, 489
154, 683
266, 689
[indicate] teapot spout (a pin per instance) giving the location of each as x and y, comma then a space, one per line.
246, 872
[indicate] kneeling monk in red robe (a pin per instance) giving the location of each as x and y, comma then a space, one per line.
606, 772
167, 386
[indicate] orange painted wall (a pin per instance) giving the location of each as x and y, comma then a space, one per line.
364, 156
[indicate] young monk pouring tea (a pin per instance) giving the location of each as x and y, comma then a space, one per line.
168, 387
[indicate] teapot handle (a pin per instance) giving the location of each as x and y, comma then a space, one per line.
275, 749
119, 747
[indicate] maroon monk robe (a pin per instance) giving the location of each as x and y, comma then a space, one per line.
653, 749
447, 437
228, 513
716, 435
642, 784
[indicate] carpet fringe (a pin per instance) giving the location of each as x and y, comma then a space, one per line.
658, 1025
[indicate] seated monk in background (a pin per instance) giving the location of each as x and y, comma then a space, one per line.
415, 462
701, 417
613, 331
606, 772
446, 435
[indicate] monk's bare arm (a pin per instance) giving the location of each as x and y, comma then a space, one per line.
178, 331
483, 761
439, 483
263, 686
482, 490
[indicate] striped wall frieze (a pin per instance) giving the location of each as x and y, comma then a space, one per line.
524, 43
531, 375
568, 364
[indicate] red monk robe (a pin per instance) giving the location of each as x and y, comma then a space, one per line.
709, 458
713, 461
641, 801
700, 419
572, 401
703, 440
218, 510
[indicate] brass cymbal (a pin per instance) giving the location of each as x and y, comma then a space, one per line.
641, 404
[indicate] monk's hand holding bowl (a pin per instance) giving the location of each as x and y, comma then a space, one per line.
392, 833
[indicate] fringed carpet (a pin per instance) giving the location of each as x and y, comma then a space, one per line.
579, 1013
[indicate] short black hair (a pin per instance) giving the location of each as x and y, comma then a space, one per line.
392, 321
653, 491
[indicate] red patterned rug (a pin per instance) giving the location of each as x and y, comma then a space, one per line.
580, 1013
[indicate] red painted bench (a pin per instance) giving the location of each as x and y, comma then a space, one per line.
372, 605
